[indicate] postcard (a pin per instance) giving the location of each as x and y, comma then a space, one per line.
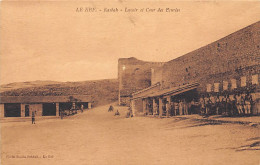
130, 82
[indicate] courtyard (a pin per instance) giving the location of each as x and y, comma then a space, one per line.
97, 137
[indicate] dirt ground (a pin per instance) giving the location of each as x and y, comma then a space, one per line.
97, 137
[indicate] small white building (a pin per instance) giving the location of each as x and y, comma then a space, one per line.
23, 106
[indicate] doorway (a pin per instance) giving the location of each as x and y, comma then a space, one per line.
12, 110
27, 111
49, 109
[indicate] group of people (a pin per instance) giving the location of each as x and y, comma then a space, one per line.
72, 110
176, 107
230, 105
180, 107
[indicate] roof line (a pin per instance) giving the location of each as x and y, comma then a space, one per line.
145, 89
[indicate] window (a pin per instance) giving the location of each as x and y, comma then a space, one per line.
216, 87
225, 85
243, 81
255, 79
233, 83
209, 86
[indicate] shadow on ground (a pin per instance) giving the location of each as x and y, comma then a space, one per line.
254, 145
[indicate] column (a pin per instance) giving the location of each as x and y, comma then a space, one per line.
89, 105
154, 107
144, 106
168, 106
22, 110
132, 102
160, 107
57, 109
2, 110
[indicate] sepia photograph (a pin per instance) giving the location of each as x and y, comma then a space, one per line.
129, 82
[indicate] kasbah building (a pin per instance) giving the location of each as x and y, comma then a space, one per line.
221, 78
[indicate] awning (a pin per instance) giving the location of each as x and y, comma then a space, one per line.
175, 90
170, 91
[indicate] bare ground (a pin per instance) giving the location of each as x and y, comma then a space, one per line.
97, 137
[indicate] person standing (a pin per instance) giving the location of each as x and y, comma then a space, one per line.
229, 105
111, 108
213, 104
252, 102
202, 105
61, 114
171, 108
176, 108
239, 104
247, 105
180, 107
238, 97
33, 117
185, 107
225, 104
192, 107
243, 103
208, 105
82, 108
234, 107
217, 105
222, 105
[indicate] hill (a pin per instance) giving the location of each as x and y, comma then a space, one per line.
103, 91
17, 85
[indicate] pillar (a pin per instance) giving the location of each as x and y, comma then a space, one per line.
2, 110
160, 107
22, 110
89, 105
119, 98
57, 109
144, 106
168, 106
132, 102
154, 107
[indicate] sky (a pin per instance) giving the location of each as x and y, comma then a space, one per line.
52, 41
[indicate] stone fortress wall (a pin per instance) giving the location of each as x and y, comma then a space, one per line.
232, 57
228, 63
134, 75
